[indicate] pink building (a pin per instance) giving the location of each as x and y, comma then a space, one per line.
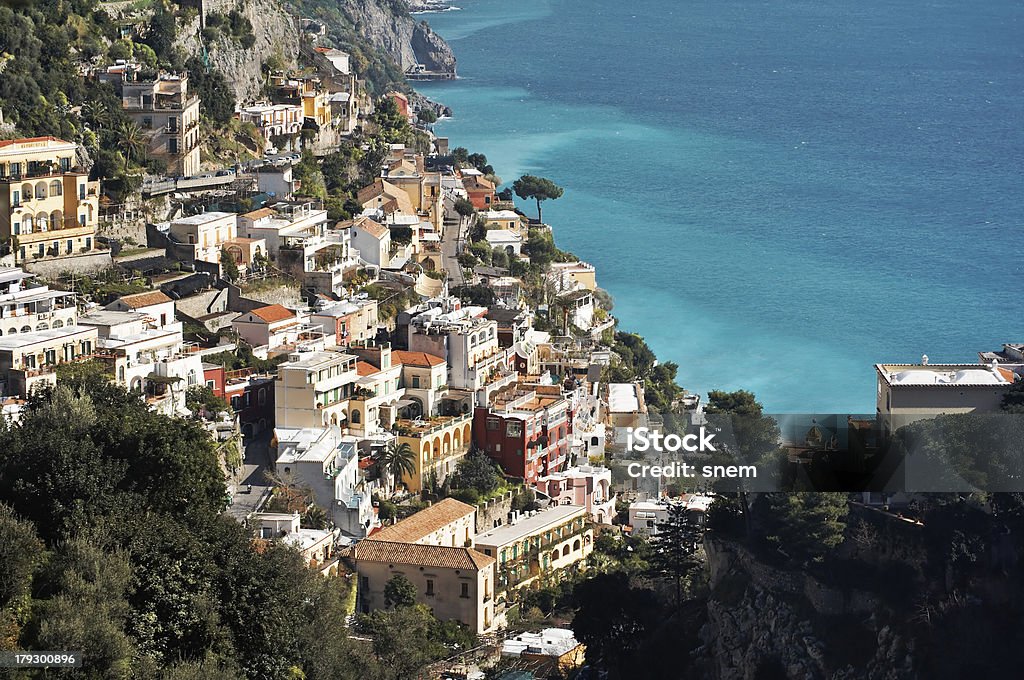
586, 485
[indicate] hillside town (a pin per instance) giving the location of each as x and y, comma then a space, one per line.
408, 384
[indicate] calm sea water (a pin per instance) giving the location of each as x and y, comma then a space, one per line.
778, 194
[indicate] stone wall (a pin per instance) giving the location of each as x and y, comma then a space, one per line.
494, 512
86, 263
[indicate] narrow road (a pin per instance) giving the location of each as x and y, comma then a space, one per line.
450, 241
257, 461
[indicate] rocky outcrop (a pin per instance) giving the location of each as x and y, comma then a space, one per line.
388, 26
764, 621
275, 33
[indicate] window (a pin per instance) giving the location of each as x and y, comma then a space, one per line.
493, 423
261, 397
172, 145
56, 189
430, 587
415, 381
65, 164
15, 198
514, 428
465, 590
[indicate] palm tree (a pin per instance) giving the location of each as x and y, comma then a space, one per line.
132, 141
397, 461
95, 112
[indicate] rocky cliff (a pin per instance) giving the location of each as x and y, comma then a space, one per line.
768, 622
275, 35
388, 26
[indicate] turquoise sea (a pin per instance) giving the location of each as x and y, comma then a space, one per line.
777, 193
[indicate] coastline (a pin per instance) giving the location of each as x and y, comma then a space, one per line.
755, 262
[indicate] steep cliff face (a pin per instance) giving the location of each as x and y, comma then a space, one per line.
275, 34
387, 25
766, 622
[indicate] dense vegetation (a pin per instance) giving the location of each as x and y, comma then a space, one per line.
112, 543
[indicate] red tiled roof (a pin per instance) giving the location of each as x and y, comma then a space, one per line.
30, 140
272, 313
363, 368
257, 214
138, 300
415, 358
445, 557
427, 521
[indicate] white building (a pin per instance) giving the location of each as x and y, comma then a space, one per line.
327, 461
907, 393
148, 358
509, 241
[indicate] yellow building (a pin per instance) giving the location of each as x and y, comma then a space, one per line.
48, 206
535, 546
440, 443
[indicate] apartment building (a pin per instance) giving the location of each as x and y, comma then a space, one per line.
439, 442
273, 120
525, 430
313, 389
147, 357
48, 206
202, 237
169, 114
468, 342
539, 545
589, 486
327, 462
26, 308
347, 321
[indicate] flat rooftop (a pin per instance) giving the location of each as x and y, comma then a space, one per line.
944, 375
622, 398
28, 339
203, 218
528, 526
318, 360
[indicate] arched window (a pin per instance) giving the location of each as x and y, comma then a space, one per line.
55, 188
58, 324
261, 399
42, 221
56, 220
192, 378
576, 544
26, 329
41, 190
120, 374
13, 331
43, 327
565, 551
355, 416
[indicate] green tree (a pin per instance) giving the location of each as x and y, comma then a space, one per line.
477, 471
428, 116
228, 265
464, 207
132, 143
397, 461
804, 526
537, 188
399, 592
674, 548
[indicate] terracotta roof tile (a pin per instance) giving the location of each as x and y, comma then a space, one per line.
272, 313
390, 552
364, 369
425, 522
372, 228
415, 358
154, 297
257, 214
